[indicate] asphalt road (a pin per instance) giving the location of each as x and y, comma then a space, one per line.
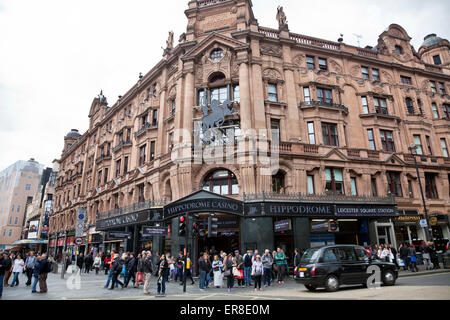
90, 287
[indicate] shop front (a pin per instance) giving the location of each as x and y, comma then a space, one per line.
406, 226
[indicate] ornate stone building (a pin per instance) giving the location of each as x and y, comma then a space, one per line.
344, 117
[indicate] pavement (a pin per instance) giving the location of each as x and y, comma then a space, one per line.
418, 285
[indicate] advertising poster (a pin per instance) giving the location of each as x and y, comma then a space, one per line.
33, 230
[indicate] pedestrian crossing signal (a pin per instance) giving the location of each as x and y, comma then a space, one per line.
182, 227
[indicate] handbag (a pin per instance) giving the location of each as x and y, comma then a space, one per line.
240, 275
236, 272
227, 273
123, 270
139, 277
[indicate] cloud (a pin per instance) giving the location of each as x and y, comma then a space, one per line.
56, 56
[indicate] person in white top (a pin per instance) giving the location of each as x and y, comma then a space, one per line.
17, 268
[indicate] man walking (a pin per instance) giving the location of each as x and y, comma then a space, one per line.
109, 266
116, 270
148, 270
131, 268
30, 262
44, 269
80, 261
36, 271
88, 262
404, 250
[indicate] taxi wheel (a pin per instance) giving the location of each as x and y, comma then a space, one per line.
388, 278
310, 287
332, 283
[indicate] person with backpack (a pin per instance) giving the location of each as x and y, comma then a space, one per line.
44, 268
116, 269
257, 272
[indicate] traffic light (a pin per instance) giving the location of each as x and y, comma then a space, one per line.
195, 229
212, 227
182, 226
198, 229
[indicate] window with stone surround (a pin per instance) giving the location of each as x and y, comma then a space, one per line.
325, 96
428, 141
152, 150
435, 110
442, 88
394, 183
430, 185
371, 139
311, 133
353, 186
365, 72
446, 109
373, 184
236, 93
310, 184
272, 92
306, 94
278, 182
418, 143
387, 140
444, 147
437, 60
118, 165
380, 105
330, 135
409, 106
323, 64
433, 86
365, 105
142, 154
334, 182
406, 80
222, 182
310, 62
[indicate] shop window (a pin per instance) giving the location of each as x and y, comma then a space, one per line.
430, 186
278, 182
395, 186
222, 182
334, 181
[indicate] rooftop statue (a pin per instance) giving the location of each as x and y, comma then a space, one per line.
169, 42
281, 17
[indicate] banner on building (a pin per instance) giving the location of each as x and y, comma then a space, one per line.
33, 229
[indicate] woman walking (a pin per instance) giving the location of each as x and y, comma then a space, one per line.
413, 258
97, 263
217, 267
229, 264
16, 269
257, 272
163, 272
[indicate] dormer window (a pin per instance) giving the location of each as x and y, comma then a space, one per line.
437, 60
398, 49
216, 54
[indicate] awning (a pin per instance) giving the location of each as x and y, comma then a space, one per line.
30, 241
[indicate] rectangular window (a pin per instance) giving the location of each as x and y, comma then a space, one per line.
435, 110
141, 193
428, 141
418, 143
375, 75
310, 62
444, 147
330, 135
324, 96
406, 80
306, 94
273, 95
125, 165
437, 60
116, 201
373, 183
419, 106
152, 150
310, 184
220, 94
430, 186
10, 233
155, 117
380, 105
311, 135
353, 185
106, 176
18, 208
446, 109
365, 73
394, 183
128, 135
365, 105
173, 107
275, 130
371, 139
236, 93
142, 155
433, 86
334, 181
409, 106
202, 97
28, 187
442, 88
323, 64
118, 165
171, 141
99, 178
144, 120
16, 220
387, 141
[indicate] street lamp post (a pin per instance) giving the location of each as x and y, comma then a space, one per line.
425, 210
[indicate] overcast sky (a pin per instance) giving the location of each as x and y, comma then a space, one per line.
56, 55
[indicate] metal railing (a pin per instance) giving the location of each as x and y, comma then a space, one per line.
320, 103
144, 128
136, 207
103, 157
121, 144
324, 197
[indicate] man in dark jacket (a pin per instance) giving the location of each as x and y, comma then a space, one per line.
80, 261
116, 269
3, 262
404, 250
88, 262
248, 267
130, 270
148, 270
179, 265
433, 257
8, 264
36, 271
43, 270
394, 253
204, 267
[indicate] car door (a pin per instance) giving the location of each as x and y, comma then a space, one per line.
363, 263
349, 265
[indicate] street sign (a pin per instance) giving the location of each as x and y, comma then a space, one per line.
119, 235
154, 231
433, 221
423, 223
283, 225
333, 226
78, 241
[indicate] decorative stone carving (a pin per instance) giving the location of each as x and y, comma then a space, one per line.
355, 71
271, 50
387, 76
323, 80
382, 47
336, 66
299, 59
272, 74
378, 90
424, 85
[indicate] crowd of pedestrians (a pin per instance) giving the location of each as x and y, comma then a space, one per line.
34, 267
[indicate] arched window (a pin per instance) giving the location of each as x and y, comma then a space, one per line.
216, 54
278, 182
222, 182
409, 106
